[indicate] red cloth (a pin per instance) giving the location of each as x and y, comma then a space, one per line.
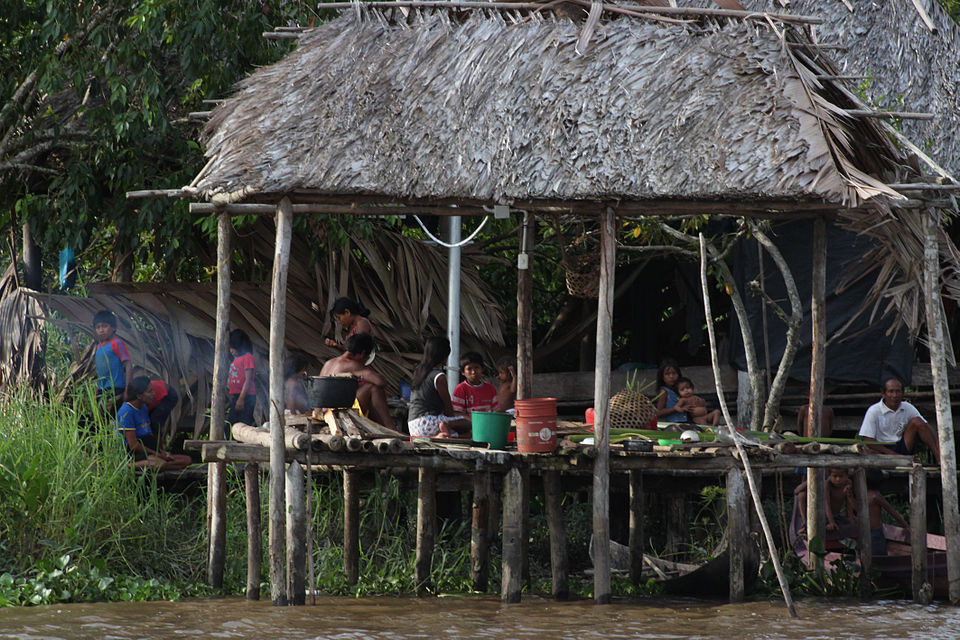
468, 398
159, 393
238, 368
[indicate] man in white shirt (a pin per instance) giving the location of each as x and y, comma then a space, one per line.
893, 420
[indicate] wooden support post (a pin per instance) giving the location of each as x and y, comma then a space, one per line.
278, 317
528, 233
553, 499
525, 540
251, 477
677, 523
863, 526
480, 532
296, 535
426, 529
496, 509
941, 391
816, 516
601, 396
351, 526
511, 581
922, 589
736, 527
216, 480
637, 512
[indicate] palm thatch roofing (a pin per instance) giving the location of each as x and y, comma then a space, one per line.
481, 107
905, 62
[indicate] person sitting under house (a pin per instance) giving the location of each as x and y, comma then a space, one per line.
894, 420
165, 399
826, 421
840, 505
133, 425
294, 389
474, 393
371, 394
694, 406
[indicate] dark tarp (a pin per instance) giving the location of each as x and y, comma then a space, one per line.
865, 353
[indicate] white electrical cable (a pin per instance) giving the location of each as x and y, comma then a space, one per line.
448, 245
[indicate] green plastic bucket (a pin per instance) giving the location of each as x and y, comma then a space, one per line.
491, 427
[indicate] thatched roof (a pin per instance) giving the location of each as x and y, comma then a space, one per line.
478, 107
908, 64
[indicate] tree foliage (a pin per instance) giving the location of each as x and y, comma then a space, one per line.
95, 102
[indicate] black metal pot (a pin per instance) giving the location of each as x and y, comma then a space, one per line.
331, 392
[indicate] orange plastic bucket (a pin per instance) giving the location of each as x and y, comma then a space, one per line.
536, 425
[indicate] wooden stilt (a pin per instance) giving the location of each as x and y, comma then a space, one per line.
922, 589
278, 316
863, 526
637, 512
351, 526
296, 536
496, 509
426, 529
677, 523
816, 516
941, 389
601, 396
525, 540
736, 526
528, 234
480, 532
511, 582
217, 485
251, 477
559, 567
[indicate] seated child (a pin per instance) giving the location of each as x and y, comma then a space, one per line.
876, 503
839, 495
112, 362
506, 383
474, 393
133, 425
694, 406
294, 389
667, 375
165, 398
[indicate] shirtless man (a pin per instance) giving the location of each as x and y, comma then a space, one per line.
893, 420
371, 393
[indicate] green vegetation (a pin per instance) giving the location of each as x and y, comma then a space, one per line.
75, 521
77, 524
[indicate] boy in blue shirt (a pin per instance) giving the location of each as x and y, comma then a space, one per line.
112, 361
133, 424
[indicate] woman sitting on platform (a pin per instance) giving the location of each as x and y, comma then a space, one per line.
431, 411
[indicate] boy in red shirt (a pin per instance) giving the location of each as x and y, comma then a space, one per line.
474, 393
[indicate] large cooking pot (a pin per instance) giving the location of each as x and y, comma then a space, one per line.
331, 392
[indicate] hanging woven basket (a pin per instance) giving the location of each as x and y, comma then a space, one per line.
582, 274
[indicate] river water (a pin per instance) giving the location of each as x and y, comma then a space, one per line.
478, 617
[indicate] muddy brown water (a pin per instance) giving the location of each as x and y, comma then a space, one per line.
478, 617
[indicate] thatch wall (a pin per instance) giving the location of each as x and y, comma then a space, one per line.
479, 109
169, 328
